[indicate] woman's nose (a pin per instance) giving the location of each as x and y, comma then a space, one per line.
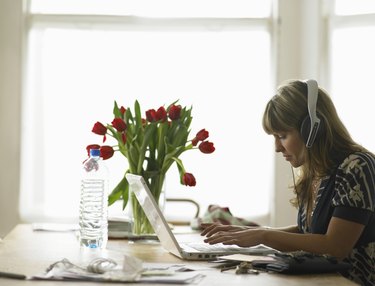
278, 146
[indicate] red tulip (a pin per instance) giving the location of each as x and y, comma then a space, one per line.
194, 141
202, 135
175, 112
161, 114
119, 124
99, 128
151, 115
122, 110
106, 152
189, 180
207, 147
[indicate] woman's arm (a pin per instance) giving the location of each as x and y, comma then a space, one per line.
291, 228
215, 227
339, 240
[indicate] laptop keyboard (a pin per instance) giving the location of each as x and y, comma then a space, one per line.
213, 247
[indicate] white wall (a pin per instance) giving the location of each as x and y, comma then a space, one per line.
10, 92
298, 57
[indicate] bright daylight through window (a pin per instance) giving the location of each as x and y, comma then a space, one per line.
353, 32
80, 62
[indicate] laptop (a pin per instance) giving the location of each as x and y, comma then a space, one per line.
187, 251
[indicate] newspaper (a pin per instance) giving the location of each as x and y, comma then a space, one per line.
107, 270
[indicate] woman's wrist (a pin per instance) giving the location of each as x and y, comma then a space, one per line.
266, 236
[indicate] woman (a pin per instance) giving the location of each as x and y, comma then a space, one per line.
335, 190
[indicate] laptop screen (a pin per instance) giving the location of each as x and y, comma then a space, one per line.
139, 187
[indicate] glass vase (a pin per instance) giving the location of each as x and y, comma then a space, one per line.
141, 227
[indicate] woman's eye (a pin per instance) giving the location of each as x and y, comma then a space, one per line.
281, 136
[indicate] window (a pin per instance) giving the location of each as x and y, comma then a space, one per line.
352, 45
354, 7
213, 55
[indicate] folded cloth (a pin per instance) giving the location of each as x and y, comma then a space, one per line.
221, 215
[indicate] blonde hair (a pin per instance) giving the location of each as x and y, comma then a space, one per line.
286, 111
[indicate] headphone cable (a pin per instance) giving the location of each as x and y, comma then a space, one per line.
294, 180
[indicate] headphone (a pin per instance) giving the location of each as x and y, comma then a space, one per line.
310, 124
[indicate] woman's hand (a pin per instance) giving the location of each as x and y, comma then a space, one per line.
243, 236
211, 228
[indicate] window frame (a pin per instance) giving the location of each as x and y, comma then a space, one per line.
38, 22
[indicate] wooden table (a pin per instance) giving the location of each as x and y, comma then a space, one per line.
30, 252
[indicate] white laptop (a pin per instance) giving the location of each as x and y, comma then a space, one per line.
188, 251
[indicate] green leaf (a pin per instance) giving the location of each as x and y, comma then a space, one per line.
133, 156
128, 116
119, 191
180, 167
116, 111
180, 136
174, 153
138, 115
150, 174
162, 136
114, 196
148, 136
125, 196
114, 133
152, 141
137, 126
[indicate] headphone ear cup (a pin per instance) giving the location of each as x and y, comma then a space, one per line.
306, 126
305, 129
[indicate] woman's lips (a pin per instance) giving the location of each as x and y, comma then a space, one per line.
287, 157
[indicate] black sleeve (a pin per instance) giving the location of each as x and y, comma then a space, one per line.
352, 214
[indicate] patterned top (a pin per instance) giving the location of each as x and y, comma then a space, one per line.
349, 193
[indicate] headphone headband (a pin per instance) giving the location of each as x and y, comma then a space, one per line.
312, 98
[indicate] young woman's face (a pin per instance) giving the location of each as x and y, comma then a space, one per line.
291, 145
